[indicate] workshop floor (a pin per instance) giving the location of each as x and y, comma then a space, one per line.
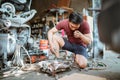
112, 72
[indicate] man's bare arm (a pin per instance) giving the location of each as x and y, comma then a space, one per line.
86, 38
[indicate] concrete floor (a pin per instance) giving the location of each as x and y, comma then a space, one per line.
112, 72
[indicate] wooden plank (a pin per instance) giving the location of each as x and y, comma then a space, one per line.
79, 76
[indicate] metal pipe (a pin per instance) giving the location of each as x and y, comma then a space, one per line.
96, 4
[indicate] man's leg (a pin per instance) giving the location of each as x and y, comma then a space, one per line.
81, 60
58, 43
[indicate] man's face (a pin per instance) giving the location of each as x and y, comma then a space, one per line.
73, 26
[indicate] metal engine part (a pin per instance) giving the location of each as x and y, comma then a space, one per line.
8, 13
9, 7
13, 36
13, 30
7, 43
54, 66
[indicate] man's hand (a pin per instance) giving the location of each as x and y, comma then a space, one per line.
53, 49
77, 34
86, 38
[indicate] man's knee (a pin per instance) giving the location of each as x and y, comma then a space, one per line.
82, 65
81, 61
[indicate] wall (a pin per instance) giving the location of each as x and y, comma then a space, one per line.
42, 5
78, 5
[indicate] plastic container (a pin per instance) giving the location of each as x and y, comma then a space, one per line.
43, 44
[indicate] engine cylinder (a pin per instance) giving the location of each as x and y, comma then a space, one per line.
7, 44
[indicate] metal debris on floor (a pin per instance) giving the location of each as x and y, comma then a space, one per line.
52, 65
96, 65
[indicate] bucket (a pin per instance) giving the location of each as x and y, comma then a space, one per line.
43, 44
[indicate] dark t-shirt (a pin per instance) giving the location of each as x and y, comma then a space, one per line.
84, 28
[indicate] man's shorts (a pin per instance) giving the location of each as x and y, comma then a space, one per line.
75, 48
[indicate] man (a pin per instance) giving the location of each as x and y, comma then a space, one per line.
78, 37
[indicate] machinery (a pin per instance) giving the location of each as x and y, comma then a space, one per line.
109, 24
13, 28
